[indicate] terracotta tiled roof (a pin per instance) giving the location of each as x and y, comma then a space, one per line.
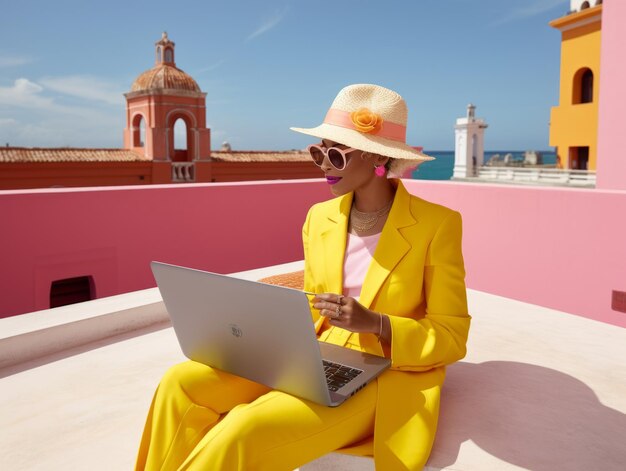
74, 154
165, 76
261, 156
293, 280
66, 154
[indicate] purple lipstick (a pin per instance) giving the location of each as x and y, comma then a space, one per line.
332, 180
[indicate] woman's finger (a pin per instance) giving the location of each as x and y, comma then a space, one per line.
330, 313
326, 305
331, 297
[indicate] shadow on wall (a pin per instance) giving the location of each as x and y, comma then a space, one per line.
527, 415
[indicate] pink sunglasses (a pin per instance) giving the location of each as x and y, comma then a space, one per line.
337, 157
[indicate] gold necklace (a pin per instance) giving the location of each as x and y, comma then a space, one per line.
363, 222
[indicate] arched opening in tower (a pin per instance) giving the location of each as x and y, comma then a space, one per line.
582, 90
180, 144
139, 131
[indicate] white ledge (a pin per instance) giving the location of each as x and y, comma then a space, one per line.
39, 334
539, 389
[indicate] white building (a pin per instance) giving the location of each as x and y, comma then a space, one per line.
578, 5
469, 149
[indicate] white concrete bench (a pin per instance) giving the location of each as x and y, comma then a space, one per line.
539, 389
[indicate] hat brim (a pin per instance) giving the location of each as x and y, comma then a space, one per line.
366, 142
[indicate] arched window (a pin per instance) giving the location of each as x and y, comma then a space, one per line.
180, 134
169, 55
582, 91
179, 146
586, 95
139, 131
142, 132
474, 155
584, 5
159, 57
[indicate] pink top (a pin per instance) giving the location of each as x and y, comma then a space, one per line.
359, 253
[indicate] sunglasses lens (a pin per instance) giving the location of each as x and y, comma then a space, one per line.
317, 155
336, 158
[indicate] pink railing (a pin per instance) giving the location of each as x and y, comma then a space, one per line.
562, 248
112, 233
557, 247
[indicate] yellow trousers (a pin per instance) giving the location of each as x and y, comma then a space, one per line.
202, 418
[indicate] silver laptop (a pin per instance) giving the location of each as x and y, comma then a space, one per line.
261, 332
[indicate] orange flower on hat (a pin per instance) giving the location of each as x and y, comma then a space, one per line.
366, 121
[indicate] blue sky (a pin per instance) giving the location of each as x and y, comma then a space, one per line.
265, 66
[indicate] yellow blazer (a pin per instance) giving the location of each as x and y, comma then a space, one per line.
417, 278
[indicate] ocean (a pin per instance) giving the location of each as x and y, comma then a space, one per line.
442, 167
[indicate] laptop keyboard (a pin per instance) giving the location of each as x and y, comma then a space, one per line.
338, 375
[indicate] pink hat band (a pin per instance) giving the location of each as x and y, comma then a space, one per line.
388, 130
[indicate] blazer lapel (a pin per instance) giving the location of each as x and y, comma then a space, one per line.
334, 238
392, 246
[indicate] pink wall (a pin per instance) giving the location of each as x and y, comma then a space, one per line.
611, 168
561, 248
113, 233
556, 247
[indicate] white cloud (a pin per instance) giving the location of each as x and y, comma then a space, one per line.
269, 24
214, 66
14, 61
37, 119
53, 130
82, 86
25, 94
532, 9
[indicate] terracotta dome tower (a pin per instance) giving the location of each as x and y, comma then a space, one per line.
160, 97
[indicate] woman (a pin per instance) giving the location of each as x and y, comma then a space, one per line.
389, 272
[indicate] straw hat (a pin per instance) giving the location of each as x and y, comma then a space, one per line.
370, 118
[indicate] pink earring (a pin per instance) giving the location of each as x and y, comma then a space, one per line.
380, 170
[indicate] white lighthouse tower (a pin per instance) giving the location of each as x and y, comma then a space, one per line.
469, 148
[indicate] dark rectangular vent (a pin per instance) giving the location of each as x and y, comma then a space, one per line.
70, 291
618, 303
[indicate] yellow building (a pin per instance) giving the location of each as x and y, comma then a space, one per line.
574, 123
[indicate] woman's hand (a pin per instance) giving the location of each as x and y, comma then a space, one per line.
347, 313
